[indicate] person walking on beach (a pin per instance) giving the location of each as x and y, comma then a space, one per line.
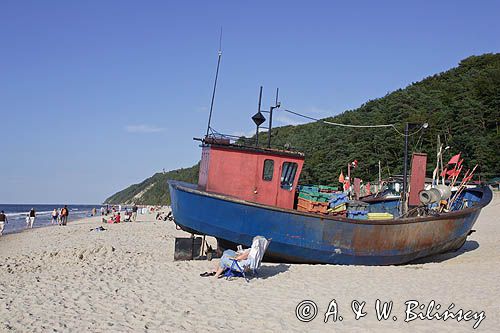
3, 221
55, 214
59, 211
134, 213
64, 215
31, 218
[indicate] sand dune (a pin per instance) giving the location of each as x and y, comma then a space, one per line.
124, 279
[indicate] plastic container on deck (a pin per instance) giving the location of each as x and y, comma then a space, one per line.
327, 189
337, 199
305, 205
308, 188
358, 215
338, 208
354, 206
342, 213
380, 216
319, 197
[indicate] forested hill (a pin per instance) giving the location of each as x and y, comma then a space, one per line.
462, 105
154, 190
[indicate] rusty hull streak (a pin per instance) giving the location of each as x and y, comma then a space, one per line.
403, 238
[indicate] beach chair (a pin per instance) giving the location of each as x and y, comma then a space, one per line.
259, 247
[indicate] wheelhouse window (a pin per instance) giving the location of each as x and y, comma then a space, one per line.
288, 175
267, 173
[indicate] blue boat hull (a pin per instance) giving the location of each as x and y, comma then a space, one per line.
308, 238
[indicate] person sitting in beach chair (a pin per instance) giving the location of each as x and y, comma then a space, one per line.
234, 264
127, 217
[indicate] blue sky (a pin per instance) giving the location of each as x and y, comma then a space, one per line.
97, 95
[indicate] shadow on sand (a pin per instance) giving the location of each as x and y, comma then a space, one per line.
468, 246
266, 271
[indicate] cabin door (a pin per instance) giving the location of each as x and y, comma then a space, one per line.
266, 180
288, 171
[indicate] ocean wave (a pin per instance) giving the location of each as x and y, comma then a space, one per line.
46, 212
15, 214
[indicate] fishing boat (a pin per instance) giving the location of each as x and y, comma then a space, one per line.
245, 191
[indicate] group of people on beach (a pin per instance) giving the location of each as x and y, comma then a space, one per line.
130, 216
110, 210
60, 216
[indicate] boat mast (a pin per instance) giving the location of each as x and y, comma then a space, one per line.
379, 173
405, 172
258, 120
215, 82
276, 105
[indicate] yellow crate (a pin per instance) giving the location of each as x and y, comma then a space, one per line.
338, 208
380, 216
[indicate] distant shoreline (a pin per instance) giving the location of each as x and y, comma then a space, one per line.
17, 231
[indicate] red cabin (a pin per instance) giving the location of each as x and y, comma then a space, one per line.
265, 176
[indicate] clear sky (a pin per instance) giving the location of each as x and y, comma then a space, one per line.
97, 95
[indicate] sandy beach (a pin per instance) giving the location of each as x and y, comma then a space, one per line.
124, 279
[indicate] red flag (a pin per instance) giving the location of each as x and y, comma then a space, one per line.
444, 172
460, 163
341, 177
354, 163
454, 159
454, 174
451, 173
467, 177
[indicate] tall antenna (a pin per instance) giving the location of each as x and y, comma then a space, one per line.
276, 105
215, 82
258, 119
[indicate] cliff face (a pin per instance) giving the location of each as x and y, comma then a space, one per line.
462, 105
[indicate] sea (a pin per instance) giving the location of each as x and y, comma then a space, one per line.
16, 214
